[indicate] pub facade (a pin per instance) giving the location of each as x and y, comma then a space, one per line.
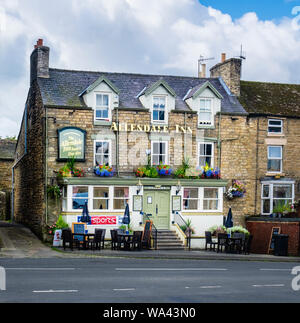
166, 145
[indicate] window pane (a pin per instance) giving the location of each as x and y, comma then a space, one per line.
191, 193
99, 100
282, 191
190, 204
121, 192
275, 152
266, 190
100, 204
274, 165
210, 204
266, 206
155, 148
275, 122
119, 204
161, 115
105, 114
80, 191
155, 160
275, 129
205, 116
211, 193
162, 147
105, 100
208, 149
101, 192
78, 203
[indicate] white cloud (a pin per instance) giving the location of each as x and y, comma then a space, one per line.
157, 36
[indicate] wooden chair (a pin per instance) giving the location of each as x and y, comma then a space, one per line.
96, 242
209, 242
137, 240
67, 238
247, 245
103, 238
222, 242
114, 239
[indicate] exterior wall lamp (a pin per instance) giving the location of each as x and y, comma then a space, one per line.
178, 187
139, 187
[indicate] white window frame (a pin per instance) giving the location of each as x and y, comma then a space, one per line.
90, 199
110, 150
165, 121
271, 185
212, 155
119, 198
275, 126
109, 106
275, 158
203, 123
167, 151
201, 200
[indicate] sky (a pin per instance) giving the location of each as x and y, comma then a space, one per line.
144, 36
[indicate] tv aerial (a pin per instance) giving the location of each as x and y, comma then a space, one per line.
201, 65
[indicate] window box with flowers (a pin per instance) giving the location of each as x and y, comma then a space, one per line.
69, 170
164, 170
208, 172
104, 171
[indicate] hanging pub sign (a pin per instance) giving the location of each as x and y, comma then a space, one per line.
71, 143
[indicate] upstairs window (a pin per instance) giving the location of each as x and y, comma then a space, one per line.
159, 153
102, 107
102, 153
206, 151
159, 109
205, 112
275, 126
275, 159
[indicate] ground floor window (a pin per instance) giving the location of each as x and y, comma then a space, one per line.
202, 199
106, 198
274, 194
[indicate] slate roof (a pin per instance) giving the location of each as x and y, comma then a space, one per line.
7, 149
271, 98
64, 86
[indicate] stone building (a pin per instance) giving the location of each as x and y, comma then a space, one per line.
125, 121
7, 151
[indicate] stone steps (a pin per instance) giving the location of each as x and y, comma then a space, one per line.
168, 240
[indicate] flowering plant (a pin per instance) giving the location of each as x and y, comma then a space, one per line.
208, 172
78, 172
104, 171
238, 229
164, 170
236, 190
216, 229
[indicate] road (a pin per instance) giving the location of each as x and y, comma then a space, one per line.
116, 280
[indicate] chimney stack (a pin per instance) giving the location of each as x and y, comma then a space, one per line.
223, 58
202, 73
39, 61
230, 71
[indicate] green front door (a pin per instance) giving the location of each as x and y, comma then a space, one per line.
157, 203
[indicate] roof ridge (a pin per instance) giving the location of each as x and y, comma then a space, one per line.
269, 82
137, 74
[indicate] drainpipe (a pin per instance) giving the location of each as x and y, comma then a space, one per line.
117, 143
256, 166
219, 141
46, 165
17, 162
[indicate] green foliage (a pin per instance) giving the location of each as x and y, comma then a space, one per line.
188, 227
151, 172
61, 224
54, 191
181, 171
282, 207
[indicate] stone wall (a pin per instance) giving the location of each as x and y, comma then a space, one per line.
29, 174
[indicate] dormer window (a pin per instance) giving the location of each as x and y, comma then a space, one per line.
159, 109
205, 112
102, 107
275, 126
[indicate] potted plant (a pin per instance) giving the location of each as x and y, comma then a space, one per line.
70, 170
181, 171
215, 230
208, 172
187, 228
236, 190
54, 191
238, 229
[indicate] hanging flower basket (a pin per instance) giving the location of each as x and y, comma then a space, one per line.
104, 171
236, 190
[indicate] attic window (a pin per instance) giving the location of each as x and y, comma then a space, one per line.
102, 107
275, 126
205, 112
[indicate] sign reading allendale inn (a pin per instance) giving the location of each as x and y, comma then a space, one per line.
71, 142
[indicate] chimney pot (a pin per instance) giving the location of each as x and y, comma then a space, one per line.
39, 43
223, 58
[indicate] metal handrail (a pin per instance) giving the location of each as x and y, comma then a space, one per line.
181, 222
153, 227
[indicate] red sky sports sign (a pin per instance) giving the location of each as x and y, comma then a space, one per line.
103, 220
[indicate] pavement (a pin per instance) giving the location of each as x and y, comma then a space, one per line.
17, 241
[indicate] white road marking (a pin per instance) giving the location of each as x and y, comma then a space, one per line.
205, 287
40, 269
275, 269
171, 269
274, 285
55, 291
123, 289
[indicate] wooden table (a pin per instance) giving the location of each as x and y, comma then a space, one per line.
126, 240
234, 245
87, 237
